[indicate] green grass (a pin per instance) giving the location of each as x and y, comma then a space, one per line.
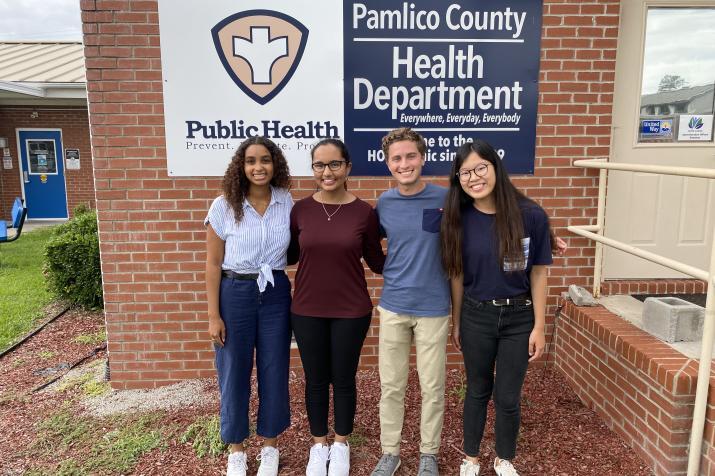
205, 437
357, 439
107, 446
95, 389
94, 339
119, 450
62, 429
23, 292
460, 391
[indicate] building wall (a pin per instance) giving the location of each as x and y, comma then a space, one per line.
74, 123
151, 232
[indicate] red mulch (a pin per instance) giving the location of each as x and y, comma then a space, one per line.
559, 435
31, 365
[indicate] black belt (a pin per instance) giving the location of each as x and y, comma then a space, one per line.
227, 273
523, 300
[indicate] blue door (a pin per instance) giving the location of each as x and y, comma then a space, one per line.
43, 174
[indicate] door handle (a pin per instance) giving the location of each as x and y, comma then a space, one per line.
25, 176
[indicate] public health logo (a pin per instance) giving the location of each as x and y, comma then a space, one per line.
260, 50
695, 122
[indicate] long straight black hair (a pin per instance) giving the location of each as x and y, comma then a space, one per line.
509, 225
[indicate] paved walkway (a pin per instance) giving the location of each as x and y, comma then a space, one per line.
35, 224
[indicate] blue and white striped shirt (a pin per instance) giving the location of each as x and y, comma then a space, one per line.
257, 244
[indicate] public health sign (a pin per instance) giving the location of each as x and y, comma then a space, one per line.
300, 71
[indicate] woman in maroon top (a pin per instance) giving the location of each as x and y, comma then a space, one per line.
331, 311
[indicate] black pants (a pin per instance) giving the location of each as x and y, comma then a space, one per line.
492, 334
330, 352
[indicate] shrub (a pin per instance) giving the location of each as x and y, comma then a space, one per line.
72, 266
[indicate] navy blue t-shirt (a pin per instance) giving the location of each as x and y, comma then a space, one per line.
484, 277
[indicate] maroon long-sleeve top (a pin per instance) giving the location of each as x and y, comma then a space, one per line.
330, 281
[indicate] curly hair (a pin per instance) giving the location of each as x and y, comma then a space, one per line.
235, 182
403, 133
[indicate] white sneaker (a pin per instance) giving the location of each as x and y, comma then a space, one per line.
269, 461
467, 468
504, 467
236, 464
339, 459
318, 461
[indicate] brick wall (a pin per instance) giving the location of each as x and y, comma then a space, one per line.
75, 135
151, 233
653, 286
642, 388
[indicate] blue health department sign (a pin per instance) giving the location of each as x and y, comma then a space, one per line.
451, 70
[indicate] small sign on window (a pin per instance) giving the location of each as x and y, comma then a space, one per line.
695, 127
656, 128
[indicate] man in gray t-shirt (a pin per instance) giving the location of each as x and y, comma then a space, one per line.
414, 304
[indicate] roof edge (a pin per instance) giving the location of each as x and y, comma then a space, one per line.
40, 42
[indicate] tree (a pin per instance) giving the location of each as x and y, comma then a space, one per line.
672, 82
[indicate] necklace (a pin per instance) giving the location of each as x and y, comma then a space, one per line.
330, 215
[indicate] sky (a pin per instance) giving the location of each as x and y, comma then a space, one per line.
679, 41
40, 20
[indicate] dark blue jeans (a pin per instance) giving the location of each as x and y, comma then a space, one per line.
261, 322
494, 334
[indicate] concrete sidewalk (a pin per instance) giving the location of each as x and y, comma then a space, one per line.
35, 224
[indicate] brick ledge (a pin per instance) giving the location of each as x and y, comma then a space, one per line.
673, 371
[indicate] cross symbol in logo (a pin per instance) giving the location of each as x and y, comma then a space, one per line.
260, 52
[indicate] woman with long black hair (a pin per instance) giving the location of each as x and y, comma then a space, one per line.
496, 245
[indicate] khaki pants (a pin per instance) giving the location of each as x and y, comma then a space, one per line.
430, 335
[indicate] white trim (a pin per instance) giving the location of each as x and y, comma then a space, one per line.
46, 90
21, 88
20, 169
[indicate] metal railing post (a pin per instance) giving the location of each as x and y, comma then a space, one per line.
706, 351
600, 220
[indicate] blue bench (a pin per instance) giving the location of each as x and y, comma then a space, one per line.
19, 213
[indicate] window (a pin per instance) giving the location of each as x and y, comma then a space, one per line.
41, 157
678, 75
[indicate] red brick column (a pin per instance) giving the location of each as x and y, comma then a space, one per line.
151, 232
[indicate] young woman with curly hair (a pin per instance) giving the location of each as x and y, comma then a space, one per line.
248, 292
496, 245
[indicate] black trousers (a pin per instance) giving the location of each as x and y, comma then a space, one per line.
330, 352
494, 335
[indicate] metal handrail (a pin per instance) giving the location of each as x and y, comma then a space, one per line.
595, 232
